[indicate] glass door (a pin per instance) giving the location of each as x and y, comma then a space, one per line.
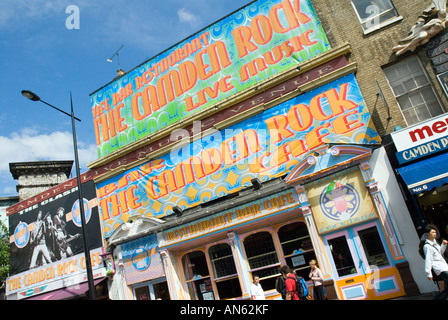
356, 254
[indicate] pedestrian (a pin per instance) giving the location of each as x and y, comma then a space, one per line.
434, 260
318, 280
290, 284
256, 291
280, 285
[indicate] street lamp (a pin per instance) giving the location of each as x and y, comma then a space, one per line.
34, 97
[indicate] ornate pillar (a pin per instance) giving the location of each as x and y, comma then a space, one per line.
174, 285
383, 214
240, 263
317, 242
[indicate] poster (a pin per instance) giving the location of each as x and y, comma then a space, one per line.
50, 230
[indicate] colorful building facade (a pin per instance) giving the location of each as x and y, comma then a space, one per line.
276, 163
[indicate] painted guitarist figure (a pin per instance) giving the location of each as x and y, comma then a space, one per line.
62, 237
39, 242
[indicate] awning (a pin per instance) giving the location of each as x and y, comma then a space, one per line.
66, 293
426, 174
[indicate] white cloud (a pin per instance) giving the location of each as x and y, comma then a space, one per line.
28, 145
186, 16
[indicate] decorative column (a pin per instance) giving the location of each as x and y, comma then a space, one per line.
317, 242
240, 263
174, 285
383, 214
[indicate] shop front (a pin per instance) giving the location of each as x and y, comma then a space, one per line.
217, 256
421, 152
336, 215
358, 246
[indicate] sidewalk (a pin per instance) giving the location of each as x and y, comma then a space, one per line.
423, 296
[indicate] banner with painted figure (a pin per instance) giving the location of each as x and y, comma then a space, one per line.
50, 230
258, 41
265, 146
340, 200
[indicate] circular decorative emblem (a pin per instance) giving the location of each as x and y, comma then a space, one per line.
339, 202
311, 160
76, 212
21, 235
141, 259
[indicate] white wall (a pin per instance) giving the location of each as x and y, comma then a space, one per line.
400, 217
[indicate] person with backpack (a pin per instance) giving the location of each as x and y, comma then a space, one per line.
291, 286
435, 263
280, 283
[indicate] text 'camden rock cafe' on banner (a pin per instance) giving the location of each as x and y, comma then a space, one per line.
244, 48
265, 146
47, 251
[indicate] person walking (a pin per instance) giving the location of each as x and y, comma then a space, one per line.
434, 260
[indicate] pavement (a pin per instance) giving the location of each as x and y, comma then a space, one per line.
423, 296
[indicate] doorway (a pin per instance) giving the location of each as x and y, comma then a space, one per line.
361, 263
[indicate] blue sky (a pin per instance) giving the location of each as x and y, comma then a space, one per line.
39, 53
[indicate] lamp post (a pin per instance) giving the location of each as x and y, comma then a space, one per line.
34, 97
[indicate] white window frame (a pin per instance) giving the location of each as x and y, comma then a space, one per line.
378, 25
429, 83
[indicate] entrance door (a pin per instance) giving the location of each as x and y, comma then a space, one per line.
361, 264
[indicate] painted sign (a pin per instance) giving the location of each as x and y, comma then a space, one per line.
425, 138
340, 201
230, 218
56, 275
258, 41
265, 146
50, 230
216, 119
142, 260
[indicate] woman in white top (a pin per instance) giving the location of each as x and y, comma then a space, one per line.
256, 291
434, 259
318, 281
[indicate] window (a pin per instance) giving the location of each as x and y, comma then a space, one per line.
142, 293
152, 290
262, 258
225, 275
342, 257
374, 14
373, 247
413, 90
297, 247
197, 276
161, 291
